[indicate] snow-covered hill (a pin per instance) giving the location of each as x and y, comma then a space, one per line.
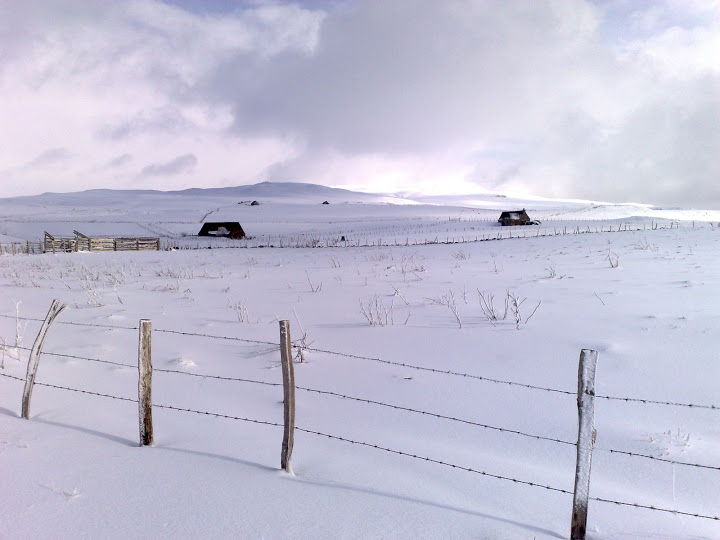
294, 208
426, 367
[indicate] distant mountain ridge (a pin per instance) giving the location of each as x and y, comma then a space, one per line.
267, 189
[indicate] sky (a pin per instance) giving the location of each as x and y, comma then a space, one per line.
613, 101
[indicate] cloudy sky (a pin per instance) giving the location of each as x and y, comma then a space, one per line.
608, 100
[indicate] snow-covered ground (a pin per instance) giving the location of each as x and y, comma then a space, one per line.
645, 299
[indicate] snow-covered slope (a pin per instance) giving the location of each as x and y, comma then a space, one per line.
294, 208
645, 299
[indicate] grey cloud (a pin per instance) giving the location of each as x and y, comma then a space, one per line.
411, 76
166, 121
119, 161
416, 78
52, 156
180, 164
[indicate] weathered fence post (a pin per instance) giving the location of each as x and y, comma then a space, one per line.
145, 383
55, 309
586, 442
288, 373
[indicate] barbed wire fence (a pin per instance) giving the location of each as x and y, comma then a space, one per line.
376, 403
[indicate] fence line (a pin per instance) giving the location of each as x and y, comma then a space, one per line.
501, 381
70, 323
657, 402
381, 448
61, 355
655, 508
7, 375
393, 406
227, 338
389, 450
435, 415
499, 477
330, 239
205, 376
390, 362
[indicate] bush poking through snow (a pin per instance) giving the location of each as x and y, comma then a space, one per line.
487, 304
376, 313
241, 311
301, 343
313, 288
513, 304
613, 258
448, 300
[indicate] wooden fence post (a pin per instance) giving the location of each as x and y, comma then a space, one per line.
288, 373
586, 442
55, 309
145, 383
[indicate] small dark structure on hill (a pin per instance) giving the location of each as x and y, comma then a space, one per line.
325, 202
515, 217
225, 229
254, 203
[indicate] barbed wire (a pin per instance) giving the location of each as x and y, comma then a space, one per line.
86, 392
658, 402
211, 336
435, 415
432, 460
500, 477
646, 456
222, 378
8, 376
218, 415
406, 409
502, 381
497, 428
441, 371
655, 508
160, 330
379, 447
70, 323
75, 357
393, 363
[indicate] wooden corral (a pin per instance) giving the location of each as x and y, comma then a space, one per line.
81, 242
514, 217
225, 229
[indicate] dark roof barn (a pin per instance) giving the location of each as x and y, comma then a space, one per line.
514, 217
226, 229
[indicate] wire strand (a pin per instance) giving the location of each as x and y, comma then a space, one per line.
384, 449
390, 362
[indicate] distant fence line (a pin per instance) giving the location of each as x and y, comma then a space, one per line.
585, 401
339, 240
305, 240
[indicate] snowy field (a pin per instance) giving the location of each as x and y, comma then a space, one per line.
399, 315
